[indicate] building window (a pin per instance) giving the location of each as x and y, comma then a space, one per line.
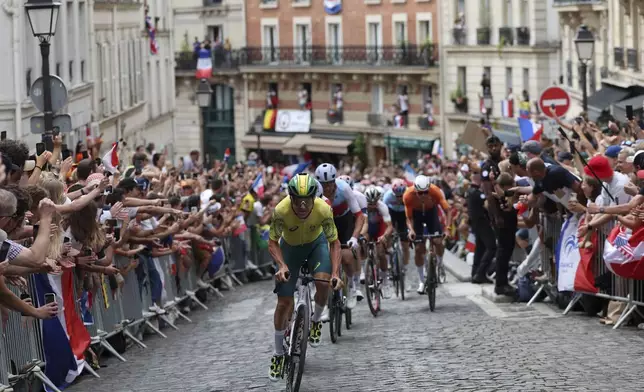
71, 71
82, 70
334, 37
484, 13
270, 43
461, 81
216, 33
524, 13
400, 32
508, 79
272, 96
58, 69
374, 34
376, 99
526, 79
28, 80
424, 31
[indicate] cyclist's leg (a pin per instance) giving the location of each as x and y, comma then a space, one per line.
419, 252
344, 225
383, 263
434, 226
400, 224
319, 259
284, 306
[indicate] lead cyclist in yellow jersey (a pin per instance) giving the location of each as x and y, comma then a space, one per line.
302, 229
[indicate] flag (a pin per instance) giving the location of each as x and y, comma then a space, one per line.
507, 108
624, 252
85, 304
470, 245
573, 274
410, 174
242, 226
436, 147
204, 64
529, 130
258, 185
65, 339
482, 107
152, 32
332, 7
111, 159
227, 155
524, 109
292, 170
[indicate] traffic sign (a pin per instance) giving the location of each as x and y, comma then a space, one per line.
61, 121
554, 96
58, 94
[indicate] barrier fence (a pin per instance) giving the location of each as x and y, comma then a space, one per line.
132, 308
610, 287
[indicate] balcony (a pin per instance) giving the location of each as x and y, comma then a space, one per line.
618, 55
212, 3
523, 36
506, 36
307, 56
460, 35
567, 3
632, 59
483, 35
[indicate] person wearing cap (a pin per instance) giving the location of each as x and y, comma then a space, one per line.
637, 160
614, 184
622, 209
612, 152
533, 149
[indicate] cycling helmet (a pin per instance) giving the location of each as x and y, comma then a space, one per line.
347, 179
320, 190
302, 185
325, 173
421, 183
359, 187
398, 187
372, 194
381, 190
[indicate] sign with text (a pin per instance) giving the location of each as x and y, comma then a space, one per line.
294, 121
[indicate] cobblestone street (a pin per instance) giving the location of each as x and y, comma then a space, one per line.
468, 344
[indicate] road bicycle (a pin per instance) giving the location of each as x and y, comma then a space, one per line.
372, 282
337, 304
431, 272
296, 335
397, 272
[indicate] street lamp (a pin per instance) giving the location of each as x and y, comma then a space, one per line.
585, 43
43, 19
204, 99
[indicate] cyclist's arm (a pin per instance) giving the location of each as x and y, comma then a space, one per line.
437, 195
384, 213
355, 209
274, 235
409, 210
331, 233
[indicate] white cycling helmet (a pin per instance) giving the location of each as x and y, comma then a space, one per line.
320, 191
381, 190
347, 179
421, 183
325, 173
372, 194
358, 187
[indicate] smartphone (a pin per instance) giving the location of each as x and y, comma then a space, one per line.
117, 233
508, 193
85, 155
111, 222
108, 190
629, 112
193, 210
49, 298
35, 233
66, 240
195, 175
4, 250
63, 147
3, 135
66, 154
579, 120
107, 174
40, 148
101, 254
87, 252
182, 176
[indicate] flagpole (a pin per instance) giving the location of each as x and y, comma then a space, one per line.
574, 150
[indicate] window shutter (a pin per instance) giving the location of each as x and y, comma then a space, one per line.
138, 51
115, 77
106, 95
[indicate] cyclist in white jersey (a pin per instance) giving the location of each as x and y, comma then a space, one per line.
362, 202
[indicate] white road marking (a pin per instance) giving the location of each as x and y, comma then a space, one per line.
487, 306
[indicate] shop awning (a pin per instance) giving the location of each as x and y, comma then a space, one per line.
619, 109
267, 141
604, 98
314, 144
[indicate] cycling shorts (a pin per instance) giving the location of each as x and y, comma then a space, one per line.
317, 255
428, 217
399, 221
345, 225
376, 230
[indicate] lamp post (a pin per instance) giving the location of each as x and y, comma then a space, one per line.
43, 19
204, 99
585, 44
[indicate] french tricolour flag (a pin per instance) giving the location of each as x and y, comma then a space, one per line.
64, 338
410, 174
227, 155
294, 169
204, 64
529, 130
258, 185
507, 108
111, 159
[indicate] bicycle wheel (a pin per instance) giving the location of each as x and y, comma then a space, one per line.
299, 341
347, 318
431, 282
337, 298
395, 272
371, 287
333, 313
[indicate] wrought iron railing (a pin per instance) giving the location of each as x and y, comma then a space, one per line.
618, 54
398, 55
506, 35
460, 35
632, 59
211, 3
523, 36
562, 3
483, 35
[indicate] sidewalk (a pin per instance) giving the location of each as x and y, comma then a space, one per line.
462, 271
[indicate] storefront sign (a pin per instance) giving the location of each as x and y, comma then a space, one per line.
332, 7
418, 144
293, 121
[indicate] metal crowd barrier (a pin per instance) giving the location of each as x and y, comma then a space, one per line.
610, 286
127, 310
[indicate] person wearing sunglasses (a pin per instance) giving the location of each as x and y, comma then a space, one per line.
302, 229
421, 207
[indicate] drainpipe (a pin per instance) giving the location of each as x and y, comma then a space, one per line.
92, 55
17, 78
446, 141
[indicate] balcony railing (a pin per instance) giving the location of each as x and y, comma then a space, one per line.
483, 36
523, 36
379, 56
212, 3
618, 54
632, 59
506, 35
563, 3
460, 35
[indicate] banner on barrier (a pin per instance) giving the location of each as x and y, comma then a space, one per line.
573, 264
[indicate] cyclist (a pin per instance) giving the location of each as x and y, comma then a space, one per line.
420, 202
302, 226
320, 193
362, 254
348, 219
379, 228
393, 199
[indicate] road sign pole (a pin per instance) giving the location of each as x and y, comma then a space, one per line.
584, 71
48, 112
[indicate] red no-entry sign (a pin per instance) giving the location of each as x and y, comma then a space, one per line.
557, 97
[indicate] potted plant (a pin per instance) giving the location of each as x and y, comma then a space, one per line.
427, 51
500, 45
